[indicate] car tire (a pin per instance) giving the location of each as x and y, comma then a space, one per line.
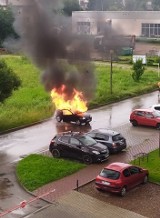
87, 159
99, 189
134, 123
123, 191
145, 180
158, 126
56, 153
78, 122
59, 119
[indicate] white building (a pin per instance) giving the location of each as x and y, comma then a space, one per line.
138, 23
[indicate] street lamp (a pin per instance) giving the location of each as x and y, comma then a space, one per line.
111, 54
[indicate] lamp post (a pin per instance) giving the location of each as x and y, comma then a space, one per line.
111, 53
159, 142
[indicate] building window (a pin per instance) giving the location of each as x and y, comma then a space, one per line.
83, 27
151, 30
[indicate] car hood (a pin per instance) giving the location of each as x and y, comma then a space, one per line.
98, 147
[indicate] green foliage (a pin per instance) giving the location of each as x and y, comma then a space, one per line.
36, 170
69, 6
9, 81
138, 70
6, 24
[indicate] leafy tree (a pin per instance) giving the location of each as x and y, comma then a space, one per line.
71, 5
8, 81
138, 70
156, 5
6, 24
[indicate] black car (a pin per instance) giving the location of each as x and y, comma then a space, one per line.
112, 139
78, 146
68, 116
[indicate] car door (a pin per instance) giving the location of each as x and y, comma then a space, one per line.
75, 148
140, 117
136, 176
64, 145
149, 119
67, 116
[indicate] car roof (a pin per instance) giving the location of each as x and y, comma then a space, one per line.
155, 105
71, 133
145, 109
105, 131
117, 166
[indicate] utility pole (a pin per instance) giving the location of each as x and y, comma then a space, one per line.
111, 53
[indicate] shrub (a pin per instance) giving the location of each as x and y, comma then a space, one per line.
138, 70
9, 81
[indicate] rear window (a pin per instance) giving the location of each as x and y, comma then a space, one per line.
110, 174
117, 137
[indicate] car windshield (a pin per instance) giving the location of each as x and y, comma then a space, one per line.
110, 174
156, 113
117, 137
87, 141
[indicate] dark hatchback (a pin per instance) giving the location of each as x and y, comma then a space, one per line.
78, 146
68, 116
112, 139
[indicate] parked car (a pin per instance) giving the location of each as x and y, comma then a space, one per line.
112, 139
120, 177
145, 117
155, 107
68, 116
78, 146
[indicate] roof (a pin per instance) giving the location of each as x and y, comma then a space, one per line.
117, 166
105, 131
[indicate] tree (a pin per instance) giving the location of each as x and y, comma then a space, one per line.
8, 81
6, 24
156, 5
71, 5
138, 70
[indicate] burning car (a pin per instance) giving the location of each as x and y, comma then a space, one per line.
68, 116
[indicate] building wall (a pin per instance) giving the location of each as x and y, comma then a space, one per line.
123, 22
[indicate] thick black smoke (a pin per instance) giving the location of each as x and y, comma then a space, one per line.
46, 37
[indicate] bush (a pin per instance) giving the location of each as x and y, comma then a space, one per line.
9, 81
138, 70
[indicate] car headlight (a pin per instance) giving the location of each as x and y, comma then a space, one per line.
95, 152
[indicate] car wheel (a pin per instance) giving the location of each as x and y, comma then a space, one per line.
158, 126
78, 122
56, 153
99, 189
87, 159
134, 123
123, 191
58, 118
145, 180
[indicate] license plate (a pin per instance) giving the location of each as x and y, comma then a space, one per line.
105, 183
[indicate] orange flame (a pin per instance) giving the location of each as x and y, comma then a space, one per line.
75, 104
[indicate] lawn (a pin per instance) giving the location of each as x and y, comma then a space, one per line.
31, 103
36, 170
153, 165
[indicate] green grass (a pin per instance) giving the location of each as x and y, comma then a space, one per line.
36, 170
31, 103
153, 165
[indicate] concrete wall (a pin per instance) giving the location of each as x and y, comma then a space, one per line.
128, 23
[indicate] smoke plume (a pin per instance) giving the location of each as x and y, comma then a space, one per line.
46, 37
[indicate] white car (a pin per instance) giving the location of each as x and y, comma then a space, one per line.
156, 107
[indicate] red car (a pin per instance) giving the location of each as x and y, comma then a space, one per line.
145, 117
120, 177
